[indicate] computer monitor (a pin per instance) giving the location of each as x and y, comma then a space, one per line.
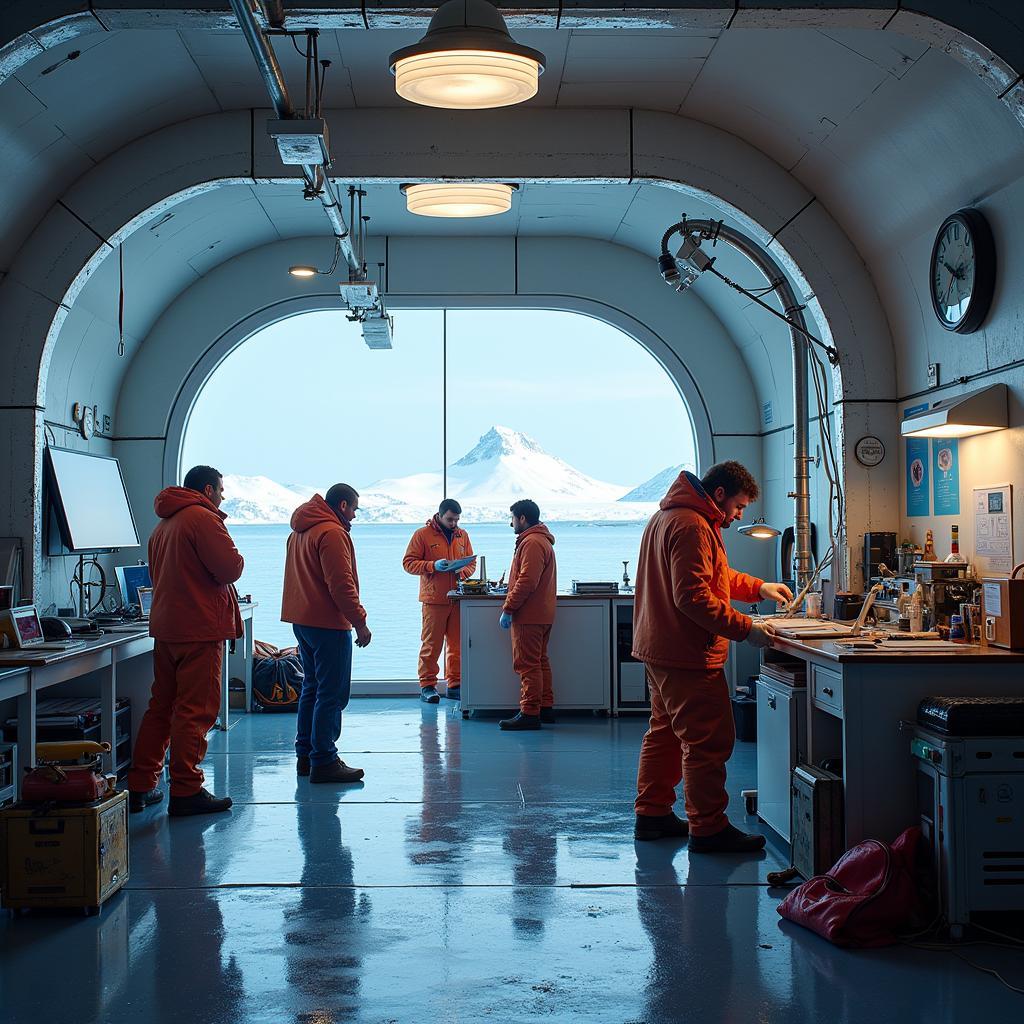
129, 579
21, 626
90, 502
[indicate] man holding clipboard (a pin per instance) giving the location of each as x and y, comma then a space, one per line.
441, 554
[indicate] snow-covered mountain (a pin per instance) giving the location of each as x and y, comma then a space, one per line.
656, 488
258, 499
502, 467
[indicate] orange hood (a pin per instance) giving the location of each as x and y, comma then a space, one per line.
687, 492
313, 513
172, 500
540, 529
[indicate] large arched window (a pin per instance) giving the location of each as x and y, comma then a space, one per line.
483, 405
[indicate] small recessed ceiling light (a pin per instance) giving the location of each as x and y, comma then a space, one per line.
459, 199
302, 271
467, 61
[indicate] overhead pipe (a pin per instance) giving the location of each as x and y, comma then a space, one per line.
273, 78
798, 332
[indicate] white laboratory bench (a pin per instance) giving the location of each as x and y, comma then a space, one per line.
115, 665
855, 702
585, 666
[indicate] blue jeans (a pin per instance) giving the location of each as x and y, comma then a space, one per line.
327, 682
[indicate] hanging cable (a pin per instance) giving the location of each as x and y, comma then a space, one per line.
120, 300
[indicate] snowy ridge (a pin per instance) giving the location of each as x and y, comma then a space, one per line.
502, 467
657, 487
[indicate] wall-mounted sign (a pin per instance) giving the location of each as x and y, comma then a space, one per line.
869, 451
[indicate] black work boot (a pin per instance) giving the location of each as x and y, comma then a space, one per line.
429, 695
547, 716
202, 802
520, 722
729, 840
660, 826
336, 771
140, 801
454, 692
302, 764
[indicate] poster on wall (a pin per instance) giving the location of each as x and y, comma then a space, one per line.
917, 469
993, 530
946, 476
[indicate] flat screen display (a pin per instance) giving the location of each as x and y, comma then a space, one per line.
130, 578
88, 495
26, 622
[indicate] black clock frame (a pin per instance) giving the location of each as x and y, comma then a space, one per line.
973, 221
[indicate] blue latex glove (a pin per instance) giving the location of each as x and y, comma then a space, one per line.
505, 621
441, 565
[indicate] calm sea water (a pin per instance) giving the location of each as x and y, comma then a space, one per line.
585, 551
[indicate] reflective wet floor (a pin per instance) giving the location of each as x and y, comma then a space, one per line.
475, 875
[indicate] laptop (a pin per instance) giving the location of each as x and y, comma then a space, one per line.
129, 579
145, 602
24, 631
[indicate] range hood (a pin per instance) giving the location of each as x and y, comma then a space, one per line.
975, 413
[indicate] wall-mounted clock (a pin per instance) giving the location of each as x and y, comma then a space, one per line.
963, 271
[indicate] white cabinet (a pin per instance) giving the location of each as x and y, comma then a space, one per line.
579, 650
781, 744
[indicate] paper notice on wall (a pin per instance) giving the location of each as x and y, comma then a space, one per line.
993, 530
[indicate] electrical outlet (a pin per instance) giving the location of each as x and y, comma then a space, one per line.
933, 375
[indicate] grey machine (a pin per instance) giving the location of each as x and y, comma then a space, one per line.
969, 755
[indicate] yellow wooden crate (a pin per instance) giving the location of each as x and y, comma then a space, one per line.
64, 857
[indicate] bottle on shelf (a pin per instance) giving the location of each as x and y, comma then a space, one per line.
929, 548
954, 546
903, 606
916, 612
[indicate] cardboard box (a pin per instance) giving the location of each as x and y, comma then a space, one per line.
65, 857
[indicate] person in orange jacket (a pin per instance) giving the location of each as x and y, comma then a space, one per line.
529, 611
321, 601
683, 623
193, 563
429, 555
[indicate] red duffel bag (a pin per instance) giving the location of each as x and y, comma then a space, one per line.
869, 898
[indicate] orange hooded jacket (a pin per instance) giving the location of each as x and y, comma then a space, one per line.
193, 563
429, 544
321, 585
532, 580
682, 616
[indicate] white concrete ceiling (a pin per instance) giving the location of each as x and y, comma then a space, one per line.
861, 117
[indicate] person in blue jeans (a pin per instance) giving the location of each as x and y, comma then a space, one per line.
321, 601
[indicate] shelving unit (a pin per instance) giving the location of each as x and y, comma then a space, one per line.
73, 718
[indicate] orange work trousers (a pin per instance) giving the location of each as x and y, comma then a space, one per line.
441, 625
183, 706
690, 737
530, 662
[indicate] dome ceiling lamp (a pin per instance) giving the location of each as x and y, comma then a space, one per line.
467, 61
759, 530
458, 198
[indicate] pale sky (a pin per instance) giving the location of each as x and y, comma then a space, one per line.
305, 401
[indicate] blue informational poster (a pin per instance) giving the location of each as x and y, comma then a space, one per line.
946, 474
918, 461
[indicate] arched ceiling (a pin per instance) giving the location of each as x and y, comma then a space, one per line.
878, 126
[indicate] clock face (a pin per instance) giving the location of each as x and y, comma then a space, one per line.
962, 271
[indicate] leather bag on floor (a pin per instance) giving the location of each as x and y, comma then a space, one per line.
276, 678
868, 899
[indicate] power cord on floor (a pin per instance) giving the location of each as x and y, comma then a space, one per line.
1008, 942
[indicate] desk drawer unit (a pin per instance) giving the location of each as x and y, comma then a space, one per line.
781, 745
827, 689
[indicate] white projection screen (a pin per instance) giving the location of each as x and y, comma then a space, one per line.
88, 495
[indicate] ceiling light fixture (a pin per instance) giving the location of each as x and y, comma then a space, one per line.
467, 61
759, 530
307, 270
458, 199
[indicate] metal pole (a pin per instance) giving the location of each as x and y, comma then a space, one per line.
273, 78
801, 493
